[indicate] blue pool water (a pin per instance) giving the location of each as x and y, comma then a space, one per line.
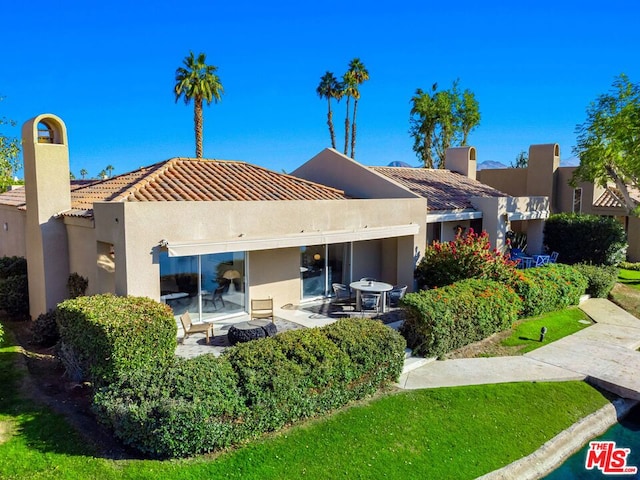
626, 434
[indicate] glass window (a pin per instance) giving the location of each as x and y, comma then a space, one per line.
323, 265
208, 286
577, 200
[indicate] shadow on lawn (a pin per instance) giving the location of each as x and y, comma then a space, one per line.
51, 414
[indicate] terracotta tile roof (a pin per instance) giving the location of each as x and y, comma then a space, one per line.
443, 189
612, 198
189, 179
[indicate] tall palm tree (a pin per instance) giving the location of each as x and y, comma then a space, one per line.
349, 89
329, 88
360, 75
109, 169
83, 173
197, 81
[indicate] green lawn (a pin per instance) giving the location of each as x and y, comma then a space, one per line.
630, 278
559, 324
418, 434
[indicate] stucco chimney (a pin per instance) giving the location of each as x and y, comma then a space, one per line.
48, 192
461, 160
544, 160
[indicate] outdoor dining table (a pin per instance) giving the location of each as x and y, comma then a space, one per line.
371, 287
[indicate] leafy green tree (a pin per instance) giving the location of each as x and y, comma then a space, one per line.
608, 142
9, 155
360, 75
521, 161
330, 88
439, 120
198, 81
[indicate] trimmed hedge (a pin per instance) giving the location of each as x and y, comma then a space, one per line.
1, 334
548, 288
630, 266
600, 279
108, 336
580, 238
440, 320
14, 287
44, 330
207, 403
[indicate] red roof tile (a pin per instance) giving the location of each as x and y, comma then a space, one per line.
443, 189
189, 179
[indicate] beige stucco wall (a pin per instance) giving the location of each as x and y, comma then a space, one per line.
136, 230
512, 181
13, 241
82, 245
332, 168
275, 274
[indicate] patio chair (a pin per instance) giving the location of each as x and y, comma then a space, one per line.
341, 291
190, 327
396, 294
216, 296
370, 302
541, 260
553, 258
262, 308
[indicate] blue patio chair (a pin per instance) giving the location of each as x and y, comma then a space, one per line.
553, 258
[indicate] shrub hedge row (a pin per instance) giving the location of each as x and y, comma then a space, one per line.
106, 336
208, 403
548, 288
14, 288
600, 279
443, 319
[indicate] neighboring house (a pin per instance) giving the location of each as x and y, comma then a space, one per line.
453, 200
545, 176
203, 235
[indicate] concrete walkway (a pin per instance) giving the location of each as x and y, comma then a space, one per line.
605, 354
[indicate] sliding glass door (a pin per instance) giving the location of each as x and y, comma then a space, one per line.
208, 286
323, 265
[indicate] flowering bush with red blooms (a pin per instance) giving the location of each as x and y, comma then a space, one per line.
468, 256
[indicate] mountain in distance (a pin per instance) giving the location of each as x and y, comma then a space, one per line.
398, 163
488, 164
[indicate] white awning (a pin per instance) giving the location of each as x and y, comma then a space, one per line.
177, 249
531, 215
443, 216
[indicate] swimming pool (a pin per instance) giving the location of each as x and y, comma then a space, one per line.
625, 434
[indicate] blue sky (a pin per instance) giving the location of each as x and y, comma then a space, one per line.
107, 69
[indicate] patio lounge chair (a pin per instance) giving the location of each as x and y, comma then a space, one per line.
190, 327
262, 308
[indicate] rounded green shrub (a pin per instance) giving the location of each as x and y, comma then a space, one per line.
601, 279
548, 288
14, 295
580, 238
109, 335
440, 320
